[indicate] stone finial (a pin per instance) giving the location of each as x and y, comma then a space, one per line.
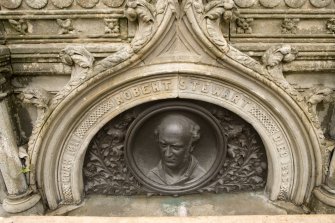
316, 95
275, 56
36, 96
210, 15
79, 59
39, 98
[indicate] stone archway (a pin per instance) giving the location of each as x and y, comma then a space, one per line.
291, 157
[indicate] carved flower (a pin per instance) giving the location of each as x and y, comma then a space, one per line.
330, 25
21, 25
243, 25
290, 26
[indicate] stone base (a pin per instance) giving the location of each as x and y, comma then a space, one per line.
323, 200
246, 203
209, 219
31, 204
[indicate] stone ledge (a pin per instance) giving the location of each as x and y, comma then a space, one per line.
212, 219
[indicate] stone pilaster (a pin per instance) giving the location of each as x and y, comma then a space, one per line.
19, 197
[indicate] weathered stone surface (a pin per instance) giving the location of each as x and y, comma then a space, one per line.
213, 219
11, 4
36, 4
320, 3
99, 59
270, 3
245, 3
190, 205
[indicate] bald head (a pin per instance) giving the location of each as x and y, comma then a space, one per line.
177, 125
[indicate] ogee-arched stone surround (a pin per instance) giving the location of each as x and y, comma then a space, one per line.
290, 141
178, 58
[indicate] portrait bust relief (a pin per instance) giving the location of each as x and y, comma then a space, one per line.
176, 137
174, 147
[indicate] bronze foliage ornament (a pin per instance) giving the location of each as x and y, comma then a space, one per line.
121, 161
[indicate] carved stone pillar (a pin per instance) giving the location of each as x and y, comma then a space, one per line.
19, 196
10, 163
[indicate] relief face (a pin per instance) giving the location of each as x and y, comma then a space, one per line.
177, 136
175, 147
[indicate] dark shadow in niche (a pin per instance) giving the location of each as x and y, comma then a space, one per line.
107, 172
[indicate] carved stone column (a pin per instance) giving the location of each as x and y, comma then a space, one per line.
19, 196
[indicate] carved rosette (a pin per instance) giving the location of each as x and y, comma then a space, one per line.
320, 3
11, 4
289, 26
243, 25
295, 3
270, 3
245, 3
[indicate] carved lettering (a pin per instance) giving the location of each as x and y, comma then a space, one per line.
216, 90
204, 88
213, 90
194, 85
282, 151
167, 85
277, 138
145, 89
136, 91
236, 98
142, 89
72, 148
66, 169
118, 99
127, 95
182, 84
226, 94
155, 86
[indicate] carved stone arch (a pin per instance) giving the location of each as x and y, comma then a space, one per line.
291, 141
289, 150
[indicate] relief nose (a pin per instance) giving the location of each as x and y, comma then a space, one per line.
167, 151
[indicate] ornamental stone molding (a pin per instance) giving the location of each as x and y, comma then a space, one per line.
164, 50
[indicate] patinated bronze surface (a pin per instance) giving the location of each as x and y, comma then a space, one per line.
175, 147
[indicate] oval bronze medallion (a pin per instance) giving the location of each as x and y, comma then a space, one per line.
175, 147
